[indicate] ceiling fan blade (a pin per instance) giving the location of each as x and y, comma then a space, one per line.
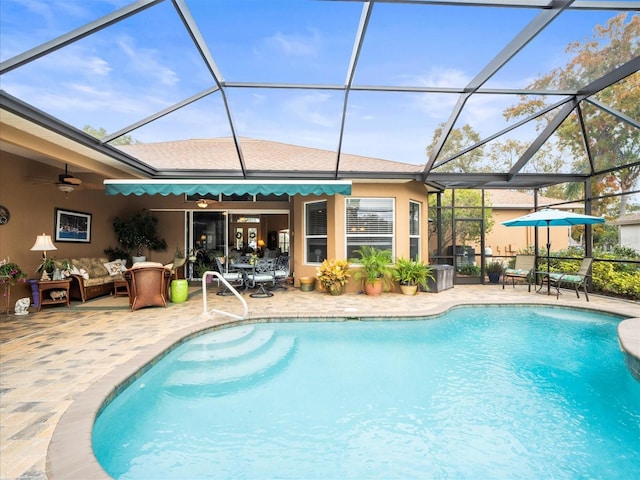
64, 178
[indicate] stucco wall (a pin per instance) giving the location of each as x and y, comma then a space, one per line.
508, 241
401, 192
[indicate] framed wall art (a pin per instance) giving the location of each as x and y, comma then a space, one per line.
72, 226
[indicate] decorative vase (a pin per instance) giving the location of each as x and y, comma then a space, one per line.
409, 289
335, 289
138, 259
179, 291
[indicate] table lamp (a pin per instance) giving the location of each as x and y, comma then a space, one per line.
43, 244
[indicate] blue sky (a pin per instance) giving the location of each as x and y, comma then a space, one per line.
146, 63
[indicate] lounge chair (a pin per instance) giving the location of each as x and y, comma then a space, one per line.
524, 268
575, 280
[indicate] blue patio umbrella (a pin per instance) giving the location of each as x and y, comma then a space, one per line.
550, 217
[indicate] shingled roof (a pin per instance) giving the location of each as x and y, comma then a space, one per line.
264, 155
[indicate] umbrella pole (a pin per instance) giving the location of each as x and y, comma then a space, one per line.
548, 260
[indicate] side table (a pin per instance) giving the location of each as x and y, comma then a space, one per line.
50, 285
120, 288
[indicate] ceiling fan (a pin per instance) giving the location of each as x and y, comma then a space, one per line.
67, 183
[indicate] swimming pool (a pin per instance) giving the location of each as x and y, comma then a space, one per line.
483, 392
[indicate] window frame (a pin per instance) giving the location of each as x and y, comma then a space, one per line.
417, 236
391, 236
307, 236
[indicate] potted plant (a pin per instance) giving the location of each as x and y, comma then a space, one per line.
10, 274
48, 265
139, 232
374, 270
410, 274
116, 253
333, 274
494, 270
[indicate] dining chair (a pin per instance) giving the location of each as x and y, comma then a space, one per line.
236, 279
263, 274
282, 271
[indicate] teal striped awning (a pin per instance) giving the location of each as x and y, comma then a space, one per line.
227, 187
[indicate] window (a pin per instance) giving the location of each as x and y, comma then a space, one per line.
283, 241
315, 231
369, 222
414, 230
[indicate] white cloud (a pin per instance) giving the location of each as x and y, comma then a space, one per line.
144, 60
295, 44
311, 108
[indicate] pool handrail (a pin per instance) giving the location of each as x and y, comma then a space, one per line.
231, 289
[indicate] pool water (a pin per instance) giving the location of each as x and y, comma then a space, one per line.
484, 392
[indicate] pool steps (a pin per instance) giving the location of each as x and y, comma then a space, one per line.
227, 336
236, 350
232, 363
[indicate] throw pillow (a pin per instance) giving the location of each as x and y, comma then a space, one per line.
114, 268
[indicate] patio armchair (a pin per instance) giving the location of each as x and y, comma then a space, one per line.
147, 285
282, 271
524, 268
575, 280
236, 279
263, 273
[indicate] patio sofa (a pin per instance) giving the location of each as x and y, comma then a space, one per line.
92, 277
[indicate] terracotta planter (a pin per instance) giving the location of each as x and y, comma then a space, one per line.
373, 288
409, 289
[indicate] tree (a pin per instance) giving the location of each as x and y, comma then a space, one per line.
458, 139
612, 142
101, 133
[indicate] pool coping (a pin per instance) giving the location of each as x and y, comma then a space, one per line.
70, 452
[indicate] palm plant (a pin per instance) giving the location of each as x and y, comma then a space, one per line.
412, 272
374, 266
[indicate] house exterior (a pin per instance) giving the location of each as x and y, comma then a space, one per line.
510, 204
379, 208
629, 228
383, 210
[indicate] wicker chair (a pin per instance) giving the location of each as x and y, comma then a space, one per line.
148, 282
